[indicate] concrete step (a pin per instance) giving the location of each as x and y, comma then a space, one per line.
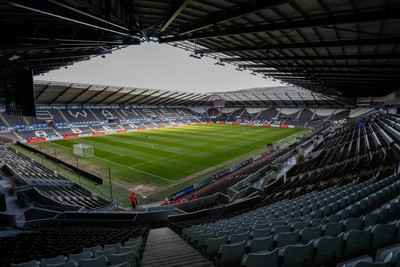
164, 248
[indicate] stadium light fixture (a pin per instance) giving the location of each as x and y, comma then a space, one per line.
219, 63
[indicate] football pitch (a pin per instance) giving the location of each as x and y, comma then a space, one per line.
151, 161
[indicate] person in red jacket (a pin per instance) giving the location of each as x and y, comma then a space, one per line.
133, 200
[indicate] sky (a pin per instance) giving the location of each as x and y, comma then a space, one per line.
158, 66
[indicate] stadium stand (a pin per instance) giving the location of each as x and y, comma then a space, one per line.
330, 198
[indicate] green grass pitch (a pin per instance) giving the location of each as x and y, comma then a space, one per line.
169, 155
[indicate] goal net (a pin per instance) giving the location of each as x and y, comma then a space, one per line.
83, 150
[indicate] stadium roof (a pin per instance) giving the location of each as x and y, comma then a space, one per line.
61, 93
341, 47
56, 93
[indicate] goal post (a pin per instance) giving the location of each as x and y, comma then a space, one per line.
83, 150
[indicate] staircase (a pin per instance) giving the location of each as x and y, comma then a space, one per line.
63, 116
164, 248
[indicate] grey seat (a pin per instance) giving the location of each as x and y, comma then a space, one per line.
296, 255
92, 249
129, 257
128, 246
106, 252
334, 218
382, 253
328, 248
260, 244
115, 245
352, 262
25, 264
382, 234
308, 234
58, 259
63, 264
231, 254
212, 245
286, 238
261, 259
280, 229
353, 224
317, 222
235, 238
370, 219
262, 232
332, 229
299, 225
201, 240
100, 261
356, 240
77, 257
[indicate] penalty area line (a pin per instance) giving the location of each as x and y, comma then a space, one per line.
130, 168
150, 174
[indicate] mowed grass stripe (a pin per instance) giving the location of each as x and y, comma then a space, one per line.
175, 153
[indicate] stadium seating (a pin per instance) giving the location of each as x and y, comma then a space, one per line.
334, 206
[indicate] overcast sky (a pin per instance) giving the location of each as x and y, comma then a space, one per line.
157, 66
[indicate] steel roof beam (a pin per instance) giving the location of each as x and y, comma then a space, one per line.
161, 97
60, 94
123, 95
342, 43
44, 89
233, 13
336, 72
307, 58
384, 14
67, 13
79, 94
175, 14
113, 93
298, 67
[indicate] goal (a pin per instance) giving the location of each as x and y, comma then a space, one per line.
83, 150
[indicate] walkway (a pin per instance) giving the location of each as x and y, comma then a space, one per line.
164, 248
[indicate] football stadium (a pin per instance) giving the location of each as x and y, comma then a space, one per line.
304, 173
